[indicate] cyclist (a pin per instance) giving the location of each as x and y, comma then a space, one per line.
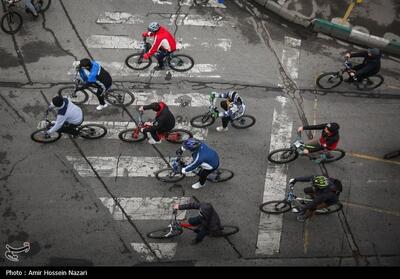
93, 74
69, 116
370, 66
203, 156
164, 121
233, 105
164, 43
329, 138
208, 221
324, 191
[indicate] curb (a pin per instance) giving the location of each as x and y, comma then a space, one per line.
333, 29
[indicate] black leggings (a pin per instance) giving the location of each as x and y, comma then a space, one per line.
203, 175
225, 120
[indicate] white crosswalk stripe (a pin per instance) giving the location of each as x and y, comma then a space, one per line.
211, 3
165, 251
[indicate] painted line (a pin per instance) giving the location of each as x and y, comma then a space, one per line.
211, 3
372, 158
191, 20
164, 251
290, 56
157, 208
125, 42
390, 212
122, 166
270, 227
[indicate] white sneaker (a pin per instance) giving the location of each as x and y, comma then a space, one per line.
100, 107
152, 141
197, 185
222, 129
295, 210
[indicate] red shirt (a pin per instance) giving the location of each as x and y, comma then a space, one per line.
163, 39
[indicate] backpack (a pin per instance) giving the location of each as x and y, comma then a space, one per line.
337, 186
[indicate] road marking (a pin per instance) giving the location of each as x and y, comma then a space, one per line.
157, 208
372, 158
224, 44
390, 212
164, 251
183, 19
211, 3
270, 227
122, 166
290, 56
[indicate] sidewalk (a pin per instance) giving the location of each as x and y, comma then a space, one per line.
371, 24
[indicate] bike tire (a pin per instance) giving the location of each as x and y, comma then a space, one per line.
178, 135
275, 207
243, 122
333, 78
119, 97
201, 2
136, 62
226, 231
10, 18
330, 209
35, 136
86, 131
202, 121
181, 62
292, 158
45, 4
223, 174
127, 135
340, 154
163, 234
166, 175
376, 81
391, 155
81, 96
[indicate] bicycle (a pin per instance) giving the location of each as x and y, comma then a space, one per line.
135, 134
208, 118
333, 79
177, 62
11, 21
286, 155
392, 155
88, 131
173, 174
176, 227
79, 95
293, 201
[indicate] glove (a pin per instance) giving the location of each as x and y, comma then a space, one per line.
183, 171
144, 34
142, 130
179, 152
146, 56
292, 181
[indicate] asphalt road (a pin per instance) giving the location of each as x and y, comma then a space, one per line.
50, 196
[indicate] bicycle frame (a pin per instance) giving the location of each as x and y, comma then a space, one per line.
299, 145
176, 227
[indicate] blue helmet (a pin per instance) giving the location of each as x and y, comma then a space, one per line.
153, 27
191, 144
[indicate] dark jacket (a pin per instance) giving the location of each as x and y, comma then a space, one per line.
326, 141
211, 219
371, 64
164, 121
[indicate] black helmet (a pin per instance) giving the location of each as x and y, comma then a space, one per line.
85, 62
374, 52
332, 127
57, 101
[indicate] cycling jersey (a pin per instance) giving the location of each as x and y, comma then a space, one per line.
162, 39
235, 109
210, 219
164, 121
370, 65
205, 157
68, 113
97, 75
328, 141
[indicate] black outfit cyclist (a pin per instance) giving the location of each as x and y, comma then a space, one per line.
164, 121
370, 66
324, 191
208, 221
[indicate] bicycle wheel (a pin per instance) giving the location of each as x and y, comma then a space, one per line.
370, 83
220, 175
282, 156
164, 233
136, 61
391, 155
335, 155
38, 136
201, 2
275, 207
181, 62
329, 80
11, 22
330, 209
132, 135
119, 97
92, 131
243, 122
202, 121
178, 135
78, 97
44, 5
167, 175
226, 230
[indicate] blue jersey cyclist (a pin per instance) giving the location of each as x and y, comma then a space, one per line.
233, 105
203, 156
